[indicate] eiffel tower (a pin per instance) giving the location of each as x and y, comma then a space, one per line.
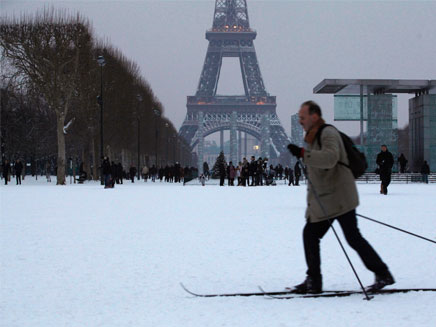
253, 113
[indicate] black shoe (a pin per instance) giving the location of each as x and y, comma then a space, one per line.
309, 286
381, 281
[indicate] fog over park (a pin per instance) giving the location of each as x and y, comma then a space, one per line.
298, 44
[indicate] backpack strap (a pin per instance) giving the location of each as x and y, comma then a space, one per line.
318, 138
318, 133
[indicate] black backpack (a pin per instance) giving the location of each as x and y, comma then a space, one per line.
356, 159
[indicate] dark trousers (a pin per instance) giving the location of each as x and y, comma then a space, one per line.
222, 180
385, 181
297, 180
107, 180
314, 232
18, 176
425, 178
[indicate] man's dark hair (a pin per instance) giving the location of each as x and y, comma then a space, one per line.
313, 107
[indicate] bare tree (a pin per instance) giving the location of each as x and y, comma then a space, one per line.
46, 51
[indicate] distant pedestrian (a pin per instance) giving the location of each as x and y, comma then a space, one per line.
222, 172
48, 171
120, 173
202, 179
259, 172
114, 175
291, 177
205, 170
132, 172
385, 161
238, 173
425, 171
231, 171
145, 173
297, 173
402, 161
252, 171
177, 169
106, 170
153, 172
6, 171
18, 171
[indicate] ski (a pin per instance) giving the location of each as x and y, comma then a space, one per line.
346, 293
233, 294
261, 293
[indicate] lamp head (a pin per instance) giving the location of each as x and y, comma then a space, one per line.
101, 61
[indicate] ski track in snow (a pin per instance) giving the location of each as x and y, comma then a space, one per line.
80, 255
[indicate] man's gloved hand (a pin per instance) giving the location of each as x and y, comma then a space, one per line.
296, 150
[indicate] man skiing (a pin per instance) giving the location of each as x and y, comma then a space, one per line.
335, 185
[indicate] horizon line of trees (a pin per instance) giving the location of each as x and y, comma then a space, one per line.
51, 95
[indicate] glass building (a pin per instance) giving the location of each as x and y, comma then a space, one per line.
374, 102
380, 112
422, 131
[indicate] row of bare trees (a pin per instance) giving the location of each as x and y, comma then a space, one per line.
50, 87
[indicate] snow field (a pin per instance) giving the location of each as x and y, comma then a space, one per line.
80, 255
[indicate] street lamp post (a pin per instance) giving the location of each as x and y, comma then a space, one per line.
101, 63
157, 114
174, 147
167, 141
139, 97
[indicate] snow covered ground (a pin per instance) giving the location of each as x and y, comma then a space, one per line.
80, 255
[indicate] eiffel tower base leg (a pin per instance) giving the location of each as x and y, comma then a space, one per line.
239, 147
233, 142
200, 142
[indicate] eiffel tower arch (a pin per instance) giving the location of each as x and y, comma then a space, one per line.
254, 112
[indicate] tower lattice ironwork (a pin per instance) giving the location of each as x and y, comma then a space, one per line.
254, 112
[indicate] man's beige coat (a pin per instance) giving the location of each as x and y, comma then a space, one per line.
333, 182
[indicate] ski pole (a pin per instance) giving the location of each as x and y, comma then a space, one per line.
331, 224
393, 227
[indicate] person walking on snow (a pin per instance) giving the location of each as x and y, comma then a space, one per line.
337, 190
18, 171
385, 160
6, 170
145, 173
425, 171
402, 162
48, 171
202, 179
297, 173
106, 170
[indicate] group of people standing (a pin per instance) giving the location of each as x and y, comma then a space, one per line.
17, 169
8, 170
114, 173
257, 172
170, 174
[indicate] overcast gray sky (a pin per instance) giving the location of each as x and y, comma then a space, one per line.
299, 43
